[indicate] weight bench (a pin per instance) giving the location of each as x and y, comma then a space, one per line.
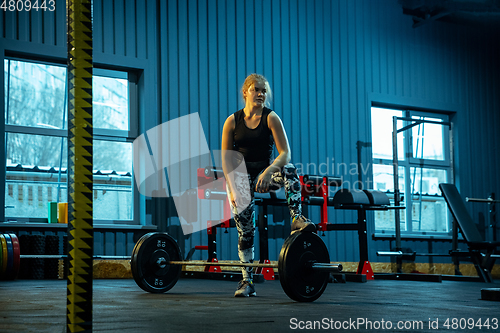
482, 253
361, 201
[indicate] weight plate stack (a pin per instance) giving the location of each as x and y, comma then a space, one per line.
149, 262
297, 277
9, 256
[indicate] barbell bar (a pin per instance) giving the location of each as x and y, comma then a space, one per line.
62, 256
488, 200
334, 268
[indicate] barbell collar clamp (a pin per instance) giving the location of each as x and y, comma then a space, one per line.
161, 262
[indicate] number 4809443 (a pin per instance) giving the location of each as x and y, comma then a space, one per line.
28, 5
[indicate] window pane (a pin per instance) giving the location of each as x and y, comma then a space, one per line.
113, 198
428, 140
35, 94
36, 150
428, 208
426, 181
32, 177
110, 103
112, 155
383, 178
386, 220
27, 193
382, 133
429, 214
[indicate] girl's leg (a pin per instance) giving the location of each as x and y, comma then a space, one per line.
288, 177
244, 219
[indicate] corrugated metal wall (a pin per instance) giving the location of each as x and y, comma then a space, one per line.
327, 62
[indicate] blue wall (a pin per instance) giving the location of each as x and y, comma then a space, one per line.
327, 61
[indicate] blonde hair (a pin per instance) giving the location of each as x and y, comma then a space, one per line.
251, 80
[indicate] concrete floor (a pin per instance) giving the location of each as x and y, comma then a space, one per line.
200, 305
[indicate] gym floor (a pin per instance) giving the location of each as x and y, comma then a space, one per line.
202, 305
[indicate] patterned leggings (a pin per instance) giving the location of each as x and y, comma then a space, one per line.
244, 219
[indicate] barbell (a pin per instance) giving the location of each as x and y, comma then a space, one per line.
303, 265
156, 263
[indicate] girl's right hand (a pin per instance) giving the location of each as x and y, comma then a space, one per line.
232, 198
239, 200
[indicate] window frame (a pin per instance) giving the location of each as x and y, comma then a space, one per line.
408, 161
111, 135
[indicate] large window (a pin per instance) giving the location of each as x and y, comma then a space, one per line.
36, 118
423, 162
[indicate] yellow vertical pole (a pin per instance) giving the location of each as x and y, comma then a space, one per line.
80, 221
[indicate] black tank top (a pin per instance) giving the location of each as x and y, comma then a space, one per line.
256, 145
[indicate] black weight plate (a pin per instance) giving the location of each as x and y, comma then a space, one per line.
281, 262
298, 280
148, 275
10, 256
285, 284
